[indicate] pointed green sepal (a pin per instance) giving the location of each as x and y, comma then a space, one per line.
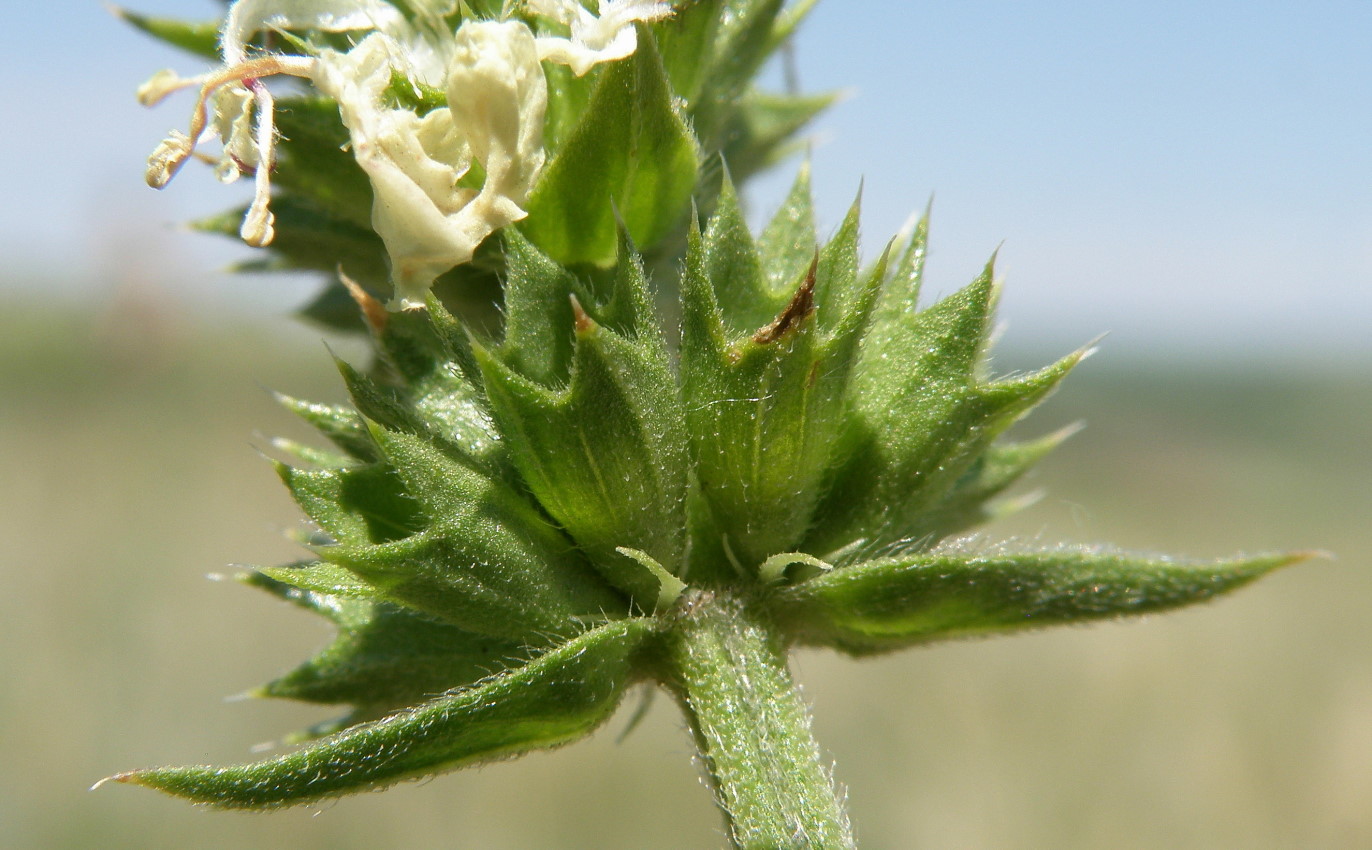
969, 503
319, 578
606, 456
538, 312
384, 658
763, 415
893, 603
358, 504
199, 38
632, 152
784, 241
488, 562
436, 375
556, 698
921, 418
341, 425
733, 268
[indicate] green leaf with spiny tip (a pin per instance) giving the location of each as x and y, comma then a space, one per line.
944, 342
201, 39
902, 472
967, 504
488, 553
454, 339
340, 424
632, 152
791, 231
763, 130
620, 298
309, 238
558, 697
838, 286
378, 403
916, 415
318, 577
734, 269
704, 336
438, 576
901, 287
419, 346
314, 456
893, 603
359, 504
538, 311
763, 415
384, 658
316, 163
606, 457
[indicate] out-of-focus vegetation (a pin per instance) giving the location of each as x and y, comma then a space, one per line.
129, 469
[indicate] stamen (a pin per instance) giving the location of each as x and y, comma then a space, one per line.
257, 228
167, 157
163, 83
173, 152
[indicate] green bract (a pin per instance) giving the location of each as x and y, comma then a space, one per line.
544, 491
506, 513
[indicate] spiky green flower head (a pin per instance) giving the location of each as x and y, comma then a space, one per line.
543, 491
515, 529
421, 128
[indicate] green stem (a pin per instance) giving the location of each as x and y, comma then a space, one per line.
729, 672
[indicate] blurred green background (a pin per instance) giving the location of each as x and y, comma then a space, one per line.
128, 448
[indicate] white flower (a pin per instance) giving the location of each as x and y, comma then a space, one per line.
604, 37
497, 98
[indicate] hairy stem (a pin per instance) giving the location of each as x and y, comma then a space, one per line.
729, 672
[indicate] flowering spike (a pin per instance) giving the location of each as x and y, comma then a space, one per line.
509, 533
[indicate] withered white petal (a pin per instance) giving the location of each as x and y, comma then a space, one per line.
497, 98
606, 37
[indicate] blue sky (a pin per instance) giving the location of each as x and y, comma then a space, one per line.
1153, 170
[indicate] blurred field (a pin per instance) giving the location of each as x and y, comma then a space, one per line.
129, 470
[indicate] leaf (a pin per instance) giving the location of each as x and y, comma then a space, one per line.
921, 416
488, 562
201, 39
558, 697
538, 307
893, 603
319, 577
311, 238
340, 424
316, 162
631, 152
966, 505
762, 130
436, 381
606, 457
760, 416
766, 407
784, 242
733, 269
355, 505
385, 657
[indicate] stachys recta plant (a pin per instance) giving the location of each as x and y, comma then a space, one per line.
609, 436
